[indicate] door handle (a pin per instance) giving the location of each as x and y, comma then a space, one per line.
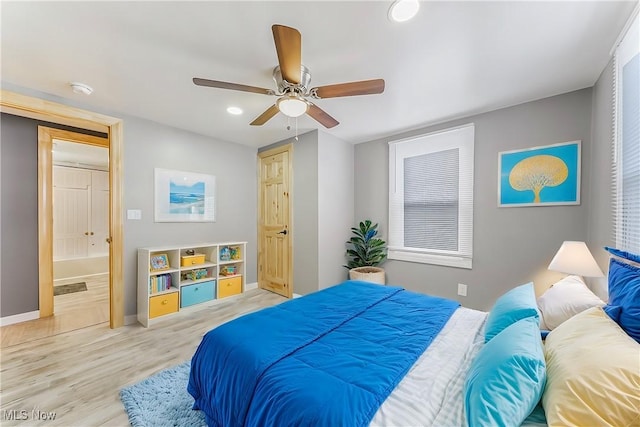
86, 233
282, 232
108, 240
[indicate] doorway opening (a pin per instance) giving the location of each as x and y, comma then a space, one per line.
80, 231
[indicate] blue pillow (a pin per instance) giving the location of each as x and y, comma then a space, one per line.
624, 297
623, 254
506, 379
516, 304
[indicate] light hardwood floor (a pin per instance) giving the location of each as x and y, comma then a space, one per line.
71, 311
77, 375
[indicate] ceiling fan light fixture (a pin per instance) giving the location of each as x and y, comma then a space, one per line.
403, 10
292, 106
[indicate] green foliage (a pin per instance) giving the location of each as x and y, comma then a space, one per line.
366, 249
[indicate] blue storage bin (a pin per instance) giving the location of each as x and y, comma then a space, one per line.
197, 293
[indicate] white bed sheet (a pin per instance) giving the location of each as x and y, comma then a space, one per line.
431, 394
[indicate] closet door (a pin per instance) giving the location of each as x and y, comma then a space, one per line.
70, 213
99, 218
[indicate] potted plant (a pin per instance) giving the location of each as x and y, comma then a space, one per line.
366, 252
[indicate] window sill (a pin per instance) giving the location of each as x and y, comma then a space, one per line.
424, 258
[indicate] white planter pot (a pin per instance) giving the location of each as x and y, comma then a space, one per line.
368, 274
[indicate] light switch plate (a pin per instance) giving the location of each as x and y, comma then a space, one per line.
134, 214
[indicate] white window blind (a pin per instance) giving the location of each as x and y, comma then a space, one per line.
431, 198
626, 143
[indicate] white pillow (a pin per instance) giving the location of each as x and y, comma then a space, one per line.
565, 299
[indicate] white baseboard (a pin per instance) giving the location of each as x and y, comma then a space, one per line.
17, 318
250, 286
297, 295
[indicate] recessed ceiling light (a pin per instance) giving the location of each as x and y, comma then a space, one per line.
234, 110
81, 88
403, 10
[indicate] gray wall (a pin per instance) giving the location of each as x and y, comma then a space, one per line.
148, 145
305, 213
335, 207
600, 222
511, 245
19, 212
19, 215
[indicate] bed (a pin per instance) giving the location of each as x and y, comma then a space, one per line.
364, 354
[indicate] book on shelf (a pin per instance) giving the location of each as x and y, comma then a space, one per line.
159, 283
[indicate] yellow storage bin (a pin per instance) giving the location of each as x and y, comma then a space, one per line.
229, 286
189, 260
163, 304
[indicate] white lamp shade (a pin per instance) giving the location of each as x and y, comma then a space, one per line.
575, 258
292, 106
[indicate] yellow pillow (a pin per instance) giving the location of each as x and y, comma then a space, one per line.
593, 373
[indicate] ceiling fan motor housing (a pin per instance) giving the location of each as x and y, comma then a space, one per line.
287, 87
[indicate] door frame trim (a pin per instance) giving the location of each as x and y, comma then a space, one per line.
39, 109
266, 153
46, 135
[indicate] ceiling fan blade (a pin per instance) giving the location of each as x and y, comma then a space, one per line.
364, 87
289, 48
264, 117
232, 86
321, 116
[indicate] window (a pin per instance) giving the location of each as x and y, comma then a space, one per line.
431, 198
626, 144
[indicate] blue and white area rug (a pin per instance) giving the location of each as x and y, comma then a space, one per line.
162, 400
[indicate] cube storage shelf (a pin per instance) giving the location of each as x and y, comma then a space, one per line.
172, 278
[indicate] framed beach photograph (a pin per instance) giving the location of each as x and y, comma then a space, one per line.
184, 196
540, 176
159, 262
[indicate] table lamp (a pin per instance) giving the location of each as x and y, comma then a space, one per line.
575, 258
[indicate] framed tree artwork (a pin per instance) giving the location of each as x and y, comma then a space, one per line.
540, 176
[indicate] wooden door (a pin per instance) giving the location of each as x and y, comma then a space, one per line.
70, 212
275, 267
70, 223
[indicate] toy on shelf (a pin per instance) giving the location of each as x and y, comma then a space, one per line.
197, 274
225, 254
228, 270
235, 253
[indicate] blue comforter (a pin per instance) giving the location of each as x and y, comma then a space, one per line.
329, 358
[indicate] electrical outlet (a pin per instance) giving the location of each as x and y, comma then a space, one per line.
462, 289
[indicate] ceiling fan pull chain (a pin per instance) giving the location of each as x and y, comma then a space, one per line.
296, 128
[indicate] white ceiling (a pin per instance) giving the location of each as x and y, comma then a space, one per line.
454, 59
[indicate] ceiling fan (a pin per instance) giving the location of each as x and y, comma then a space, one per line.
292, 80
